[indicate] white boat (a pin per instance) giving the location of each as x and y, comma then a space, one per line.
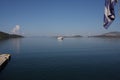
60, 38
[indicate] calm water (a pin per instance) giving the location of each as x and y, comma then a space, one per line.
70, 59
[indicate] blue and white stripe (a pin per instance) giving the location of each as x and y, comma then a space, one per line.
109, 14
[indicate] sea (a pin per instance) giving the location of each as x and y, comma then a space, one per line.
46, 58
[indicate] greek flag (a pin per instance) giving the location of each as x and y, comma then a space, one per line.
109, 14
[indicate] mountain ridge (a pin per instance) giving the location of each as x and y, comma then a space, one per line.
4, 35
114, 34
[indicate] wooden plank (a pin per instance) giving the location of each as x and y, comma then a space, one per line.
4, 58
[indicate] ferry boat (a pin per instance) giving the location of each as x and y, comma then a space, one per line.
60, 38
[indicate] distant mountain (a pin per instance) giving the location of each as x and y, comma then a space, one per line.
73, 36
109, 35
4, 35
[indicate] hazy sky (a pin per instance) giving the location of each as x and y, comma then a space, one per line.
55, 17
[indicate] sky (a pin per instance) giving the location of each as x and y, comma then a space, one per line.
55, 17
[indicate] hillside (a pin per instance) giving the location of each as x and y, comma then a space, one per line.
4, 35
72, 36
109, 35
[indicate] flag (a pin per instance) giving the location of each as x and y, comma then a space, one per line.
109, 14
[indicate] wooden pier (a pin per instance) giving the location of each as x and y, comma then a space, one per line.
4, 58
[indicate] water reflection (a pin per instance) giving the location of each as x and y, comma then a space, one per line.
59, 40
16, 45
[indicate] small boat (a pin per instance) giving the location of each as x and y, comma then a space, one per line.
60, 38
